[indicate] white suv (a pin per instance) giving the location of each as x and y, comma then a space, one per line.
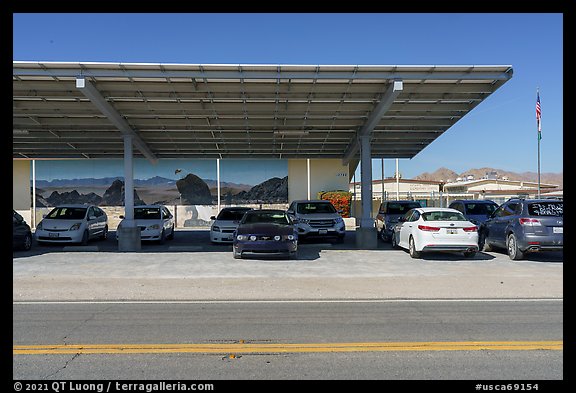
318, 219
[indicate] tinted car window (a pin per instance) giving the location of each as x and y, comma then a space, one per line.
231, 215
400, 208
480, 208
507, 209
267, 217
554, 209
146, 213
320, 207
68, 213
458, 206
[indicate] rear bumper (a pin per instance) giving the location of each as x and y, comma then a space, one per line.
535, 243
456, 248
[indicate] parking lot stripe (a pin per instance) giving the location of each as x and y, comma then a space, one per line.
259, 348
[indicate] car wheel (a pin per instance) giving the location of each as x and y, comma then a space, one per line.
27, 243
85, 236
470, 254
162, 239
513, 251
171, 235
412, 248
394, 243
483, 245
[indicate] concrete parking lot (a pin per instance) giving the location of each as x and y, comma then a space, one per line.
190, 268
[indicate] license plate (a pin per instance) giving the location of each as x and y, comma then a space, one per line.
322, 231
558, 229
53, 234
451, 231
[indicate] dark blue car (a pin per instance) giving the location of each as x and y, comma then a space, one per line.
476, 211
265, 232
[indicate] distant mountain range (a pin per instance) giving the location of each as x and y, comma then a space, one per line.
445, 174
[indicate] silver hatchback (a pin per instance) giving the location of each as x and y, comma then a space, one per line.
72, 224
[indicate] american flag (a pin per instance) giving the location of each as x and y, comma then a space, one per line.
538, 114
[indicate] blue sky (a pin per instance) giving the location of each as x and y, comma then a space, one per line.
500, 132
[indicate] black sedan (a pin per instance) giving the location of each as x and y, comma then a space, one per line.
265, 232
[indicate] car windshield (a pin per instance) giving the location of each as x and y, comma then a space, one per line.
443, 216
554, 209
484, 209
147, 213
315, 207
68, 213
400, 208
231, 215
266, 217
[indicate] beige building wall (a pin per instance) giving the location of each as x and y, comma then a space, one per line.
21, 199
325, 175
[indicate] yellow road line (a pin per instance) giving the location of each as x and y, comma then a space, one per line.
238, 348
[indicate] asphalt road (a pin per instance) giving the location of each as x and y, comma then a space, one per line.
283, 333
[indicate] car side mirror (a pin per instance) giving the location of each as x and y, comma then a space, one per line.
212, 217
121, 217
340, 211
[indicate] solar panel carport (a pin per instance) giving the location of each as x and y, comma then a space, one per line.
101, 110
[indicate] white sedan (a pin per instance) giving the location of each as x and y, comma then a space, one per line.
435, 229
156, 223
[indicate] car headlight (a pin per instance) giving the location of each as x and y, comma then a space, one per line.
253, 238
75, 227
241, 237
155, 226
215, 228
289, 237
277, 237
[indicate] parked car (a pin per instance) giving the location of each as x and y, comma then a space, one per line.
72, 224
265, 232
21, 233
475, 210
388, 215
317, 219
525, 225
435, 229
156, 223
224, 225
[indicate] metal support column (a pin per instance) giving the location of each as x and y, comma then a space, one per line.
128, 233
366, 233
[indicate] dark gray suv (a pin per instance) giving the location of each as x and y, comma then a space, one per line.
524, 225
388, 215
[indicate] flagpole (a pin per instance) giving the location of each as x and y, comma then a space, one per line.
538, 126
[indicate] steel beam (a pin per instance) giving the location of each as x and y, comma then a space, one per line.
385, 103
96, 98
